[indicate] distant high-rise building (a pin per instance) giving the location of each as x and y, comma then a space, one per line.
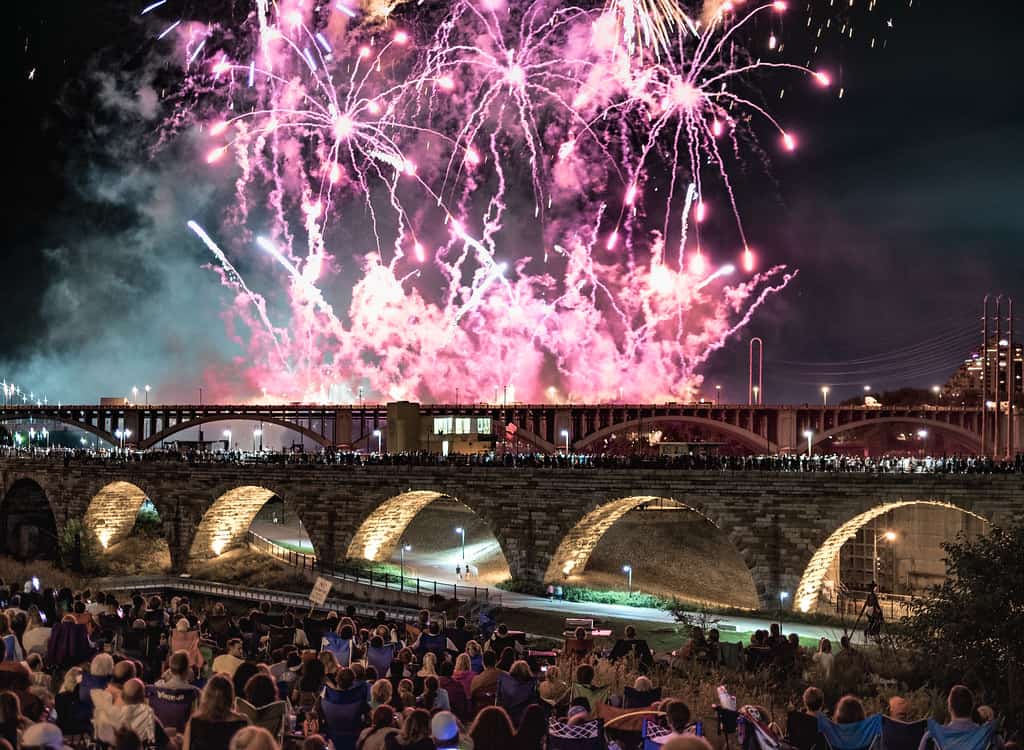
965, 385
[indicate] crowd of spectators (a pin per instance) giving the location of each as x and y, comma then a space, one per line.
694, 461
92, 670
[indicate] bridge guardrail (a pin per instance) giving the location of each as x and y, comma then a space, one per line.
387, 581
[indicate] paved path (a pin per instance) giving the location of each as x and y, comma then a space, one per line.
439, 565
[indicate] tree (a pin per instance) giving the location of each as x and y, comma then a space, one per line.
970, 629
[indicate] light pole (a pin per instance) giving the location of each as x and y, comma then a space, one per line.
628, 570
937, 391
257, 433
922, 435
46, 434
565, 434
405, 548
757, 391
135, 395
824, 395
867, 389
809, 434
718, 395
148, 389
783, 595
227, 435
889, 536
461, 530
376, 434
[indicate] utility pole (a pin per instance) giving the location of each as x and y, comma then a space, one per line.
984, 376
755, 396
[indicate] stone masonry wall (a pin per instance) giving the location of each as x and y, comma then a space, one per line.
776, 521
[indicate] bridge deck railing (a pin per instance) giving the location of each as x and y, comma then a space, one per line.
361, 576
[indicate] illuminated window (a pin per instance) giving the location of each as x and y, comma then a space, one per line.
483, 425
463, 425
442, 425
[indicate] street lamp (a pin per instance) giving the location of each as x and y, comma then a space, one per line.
148, 389
889, 536
937, 391
809, 434
405, 548
824, 395
867, 389
461, 530
757, 390
565, 434
46, 434
257, 433
628, 570
783, 595
376, 434
135, 395
227, 436
718, 395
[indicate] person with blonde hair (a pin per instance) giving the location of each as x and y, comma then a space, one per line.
380, 693
215, 722
429, 666
253, 738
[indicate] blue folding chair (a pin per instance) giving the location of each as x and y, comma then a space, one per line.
340, 647
344, 714
860, 735
961, 738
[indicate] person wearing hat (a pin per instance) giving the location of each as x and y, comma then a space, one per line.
43, 736
447, 733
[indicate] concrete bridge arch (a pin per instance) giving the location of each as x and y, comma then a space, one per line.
174, 429
971, 439
750, 440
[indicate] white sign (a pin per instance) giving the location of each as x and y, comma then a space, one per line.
321, 589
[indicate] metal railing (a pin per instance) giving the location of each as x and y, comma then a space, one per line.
366, 577
245, 593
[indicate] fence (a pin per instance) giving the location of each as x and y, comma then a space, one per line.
221, 591
894, 606
365, 577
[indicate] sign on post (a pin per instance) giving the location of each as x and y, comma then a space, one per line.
320, 591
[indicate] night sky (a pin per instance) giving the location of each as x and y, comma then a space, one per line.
901, 209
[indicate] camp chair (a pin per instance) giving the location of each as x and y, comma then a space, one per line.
656, 730
902, 735
172, 707
633, 698
592, 693
860, 735
728, 722
344, 713
380, 658
271, 717
753, 729
956, 738
340, 647
586, 736
802, 732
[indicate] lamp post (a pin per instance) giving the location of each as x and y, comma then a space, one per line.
824, 395
757, 392
565, 434
257, 433
377, 434
461, 530
718, 395
405, 548
922, 435
148, 389
809, 434
135, 395
46, 434
783, 595
227, 435
628, 570
889, 536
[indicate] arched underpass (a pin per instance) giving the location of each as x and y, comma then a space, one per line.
112, 512
823, 573
673, 550
427, 522
226, 523
28, 529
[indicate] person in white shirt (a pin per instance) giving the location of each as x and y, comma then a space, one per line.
36, 637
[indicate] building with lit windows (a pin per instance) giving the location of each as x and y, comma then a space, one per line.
965, 385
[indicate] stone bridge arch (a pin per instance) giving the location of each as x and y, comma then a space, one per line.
971, 439
379, 533
167, 432
751, 440
112, 511
225, 523
29, 501
578, 543
809, 589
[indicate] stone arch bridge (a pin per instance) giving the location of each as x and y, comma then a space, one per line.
786, 526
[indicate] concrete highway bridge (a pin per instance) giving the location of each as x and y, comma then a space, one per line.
406, 426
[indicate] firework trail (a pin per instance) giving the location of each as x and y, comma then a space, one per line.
381, 163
